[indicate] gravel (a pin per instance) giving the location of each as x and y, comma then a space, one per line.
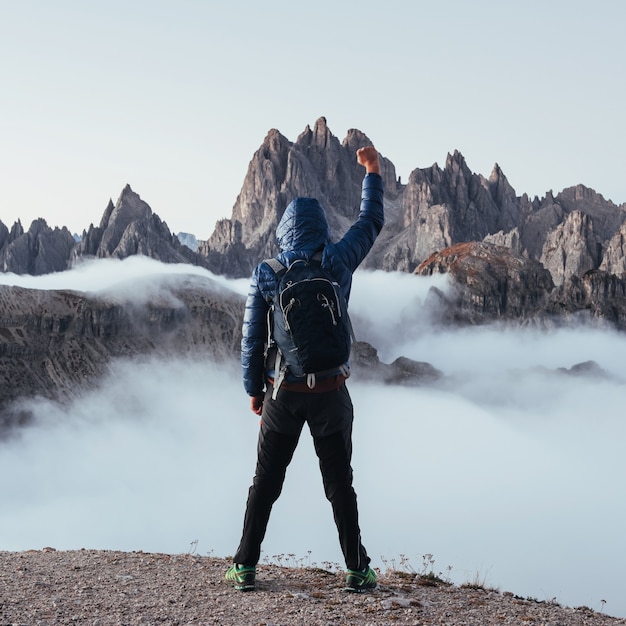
106, 588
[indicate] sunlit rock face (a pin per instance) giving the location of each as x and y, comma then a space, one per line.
316, 165
490, 282
572, 248
614, 260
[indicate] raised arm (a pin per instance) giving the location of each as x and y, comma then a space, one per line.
346, 255
368, 158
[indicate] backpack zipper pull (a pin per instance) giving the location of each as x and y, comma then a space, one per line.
327, 304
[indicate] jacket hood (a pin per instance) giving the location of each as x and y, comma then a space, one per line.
303, 226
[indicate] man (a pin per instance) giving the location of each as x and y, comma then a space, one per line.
327, 408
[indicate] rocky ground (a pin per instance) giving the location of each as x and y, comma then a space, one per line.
101, 588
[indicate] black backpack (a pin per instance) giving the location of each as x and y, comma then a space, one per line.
308, 321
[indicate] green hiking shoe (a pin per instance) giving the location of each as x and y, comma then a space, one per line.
243, 577
359, 581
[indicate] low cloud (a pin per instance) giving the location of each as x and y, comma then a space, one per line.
129, 279
509, 468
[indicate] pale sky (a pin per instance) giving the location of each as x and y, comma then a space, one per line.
174, 97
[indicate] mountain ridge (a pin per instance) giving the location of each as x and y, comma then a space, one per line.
437, 208
569, 234
556, 260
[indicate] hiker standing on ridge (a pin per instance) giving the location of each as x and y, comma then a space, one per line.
284, 397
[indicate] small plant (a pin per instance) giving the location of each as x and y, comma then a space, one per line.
477, 582
329, 566
425, 575
427, 561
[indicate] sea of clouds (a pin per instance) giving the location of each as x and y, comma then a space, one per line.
509, 471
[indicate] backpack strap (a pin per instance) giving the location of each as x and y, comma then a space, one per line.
277, 266
279, 372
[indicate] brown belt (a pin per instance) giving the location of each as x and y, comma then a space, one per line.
322, 385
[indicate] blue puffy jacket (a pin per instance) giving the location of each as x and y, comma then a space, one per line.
303, 231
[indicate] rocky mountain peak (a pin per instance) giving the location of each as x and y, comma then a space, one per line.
40, 250
129, 227
273, 143
456, 164
572, 248
128, 209
17, 230
319, 143
320, 135
606, 216
106, 216
356, 139
316, 165
496, 174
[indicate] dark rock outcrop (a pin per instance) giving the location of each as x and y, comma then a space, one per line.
402, 371
55, 344
597, 295
588, 369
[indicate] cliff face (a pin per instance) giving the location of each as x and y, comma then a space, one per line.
53, 344
441, 207
58, 344
316, 165
491, 283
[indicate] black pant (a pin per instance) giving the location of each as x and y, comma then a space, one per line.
329, 416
